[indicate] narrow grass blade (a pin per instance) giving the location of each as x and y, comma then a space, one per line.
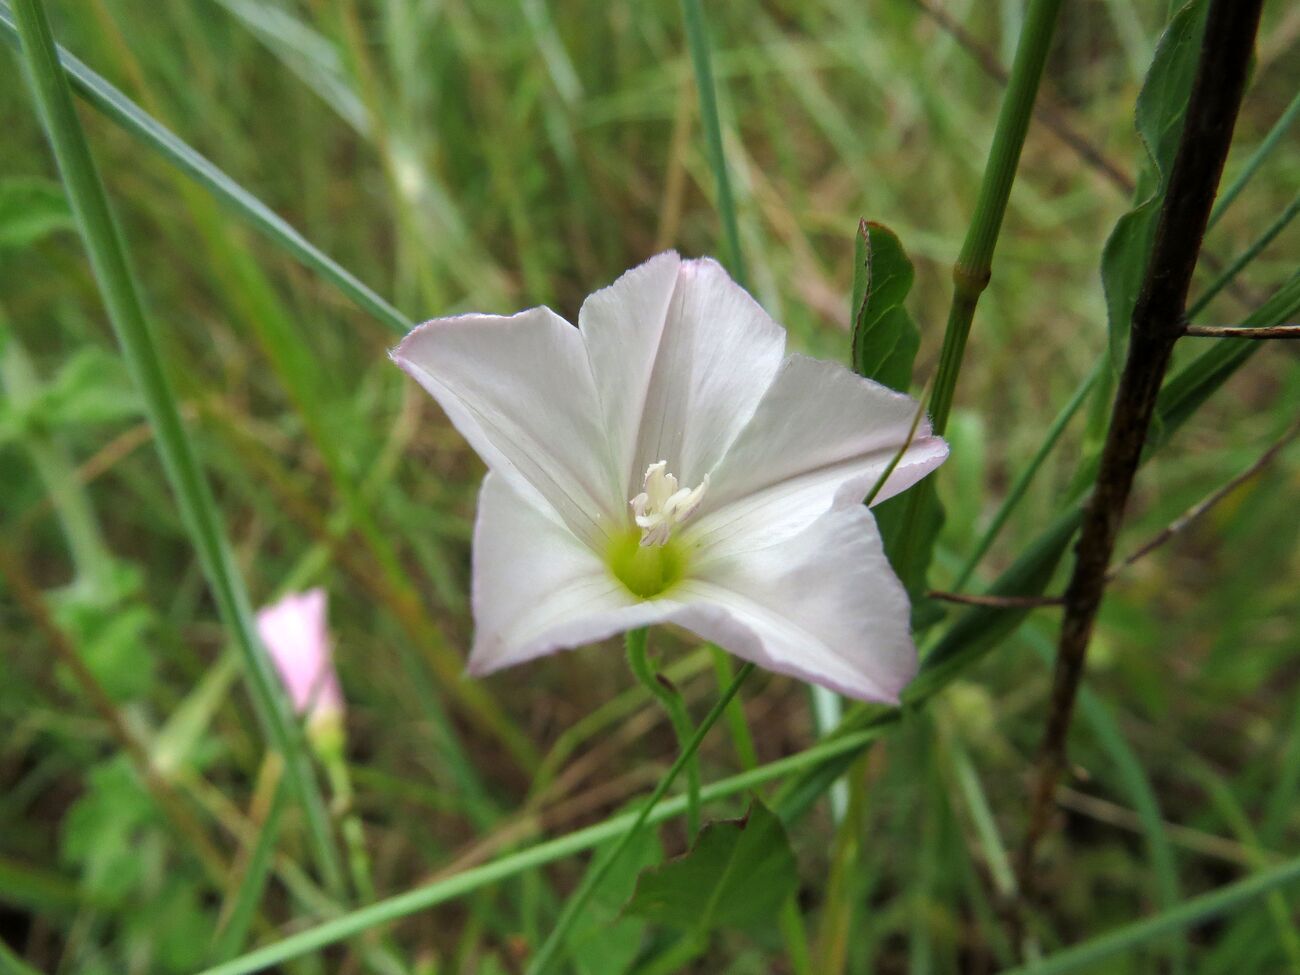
697, 38
109, 101
122, 299
1026, 476
1275, 134
1185, 915
1136, 784
1229, 273
231, 938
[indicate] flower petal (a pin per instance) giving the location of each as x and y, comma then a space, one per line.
295, 632
682, 356
520, 390
821, 437
537, 588
823, 606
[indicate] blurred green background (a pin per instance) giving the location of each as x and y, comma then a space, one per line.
491, 156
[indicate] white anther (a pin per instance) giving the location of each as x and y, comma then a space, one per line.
662, 506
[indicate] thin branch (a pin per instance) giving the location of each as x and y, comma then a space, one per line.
1241, 332
1157, 324
996, 602
1200, 508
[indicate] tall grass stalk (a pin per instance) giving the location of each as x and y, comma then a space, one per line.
126, 312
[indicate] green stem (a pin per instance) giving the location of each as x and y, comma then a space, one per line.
697, 39
974, 264
672, 703
354, 837
198, 509
554, 944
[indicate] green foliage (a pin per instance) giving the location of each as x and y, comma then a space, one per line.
606, 939
884, 338
736, 875
31, 209
465, 156
884, 346
1161, 106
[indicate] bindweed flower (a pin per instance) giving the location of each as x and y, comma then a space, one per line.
667, 462
297, 637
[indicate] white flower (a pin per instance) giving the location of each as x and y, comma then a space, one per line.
667, 462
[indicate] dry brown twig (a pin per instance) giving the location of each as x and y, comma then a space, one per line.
1157, 324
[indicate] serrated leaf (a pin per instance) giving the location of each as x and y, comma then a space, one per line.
1161, 107
31, 208
884, 338
737, 875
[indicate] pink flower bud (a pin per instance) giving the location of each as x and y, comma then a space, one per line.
296, 635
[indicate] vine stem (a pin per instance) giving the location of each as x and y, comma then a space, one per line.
1157, 324
107, 253
551, 949
668, 696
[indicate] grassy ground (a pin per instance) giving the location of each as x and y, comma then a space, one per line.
461, 156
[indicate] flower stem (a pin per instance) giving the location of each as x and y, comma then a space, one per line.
667, 695
552, 947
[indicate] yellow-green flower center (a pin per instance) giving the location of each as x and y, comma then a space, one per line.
646, 570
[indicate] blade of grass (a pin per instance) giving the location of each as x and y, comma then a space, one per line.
1185, 915
1270, 142
1017, 492
1229, 273
238, 915
109, 101
553, 948
126, 312
697, 39
1141, 794
468, 881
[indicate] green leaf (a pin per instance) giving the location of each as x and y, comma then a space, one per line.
910, 525
602, 942
737, 875
1161, 106
885, 341
90, 388
31, 208
884, 338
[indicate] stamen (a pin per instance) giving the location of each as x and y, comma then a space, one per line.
662, 506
